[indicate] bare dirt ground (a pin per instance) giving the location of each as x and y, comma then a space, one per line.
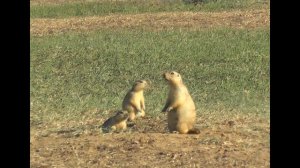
237, 140
153, 21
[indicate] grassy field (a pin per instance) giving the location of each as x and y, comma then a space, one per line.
72, 73
85, 56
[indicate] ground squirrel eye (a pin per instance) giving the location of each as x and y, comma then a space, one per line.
172, 73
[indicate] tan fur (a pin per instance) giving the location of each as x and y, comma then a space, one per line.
134, 101
179, 106
118, 122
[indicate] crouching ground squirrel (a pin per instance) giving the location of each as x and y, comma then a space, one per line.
134, 101
179, 106
116, 122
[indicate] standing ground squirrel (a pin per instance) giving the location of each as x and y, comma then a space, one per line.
134, 101
179, 106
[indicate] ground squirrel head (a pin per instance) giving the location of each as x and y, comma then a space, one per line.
172, 77
139, 85
121, 115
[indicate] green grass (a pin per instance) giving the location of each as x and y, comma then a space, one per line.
224, 69
136, 6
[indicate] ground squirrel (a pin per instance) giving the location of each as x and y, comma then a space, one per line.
179, 106
116, 122
134, 101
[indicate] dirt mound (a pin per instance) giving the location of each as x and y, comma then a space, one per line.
240, 142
